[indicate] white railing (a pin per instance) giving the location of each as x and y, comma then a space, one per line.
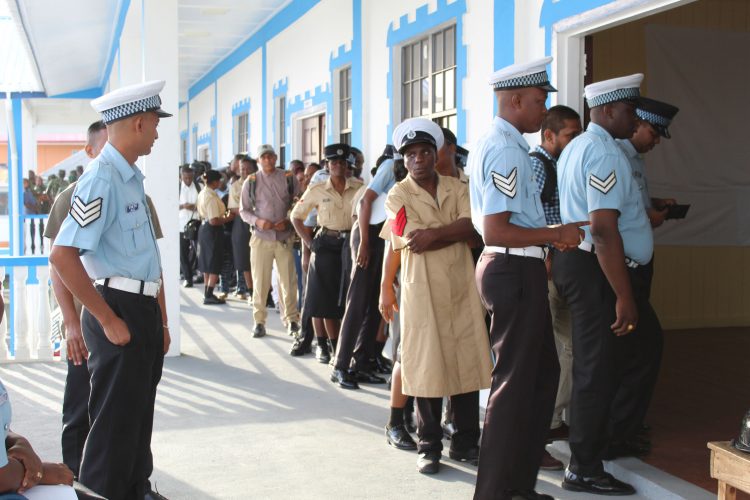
33, 229
26, 328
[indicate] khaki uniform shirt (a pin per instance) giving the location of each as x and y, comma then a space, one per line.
209, 204
235, 191
445, 348
334, 209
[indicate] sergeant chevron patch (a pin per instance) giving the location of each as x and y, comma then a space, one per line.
85, 213
399, 223
603, 185
506, 185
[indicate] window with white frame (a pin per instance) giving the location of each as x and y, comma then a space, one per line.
241, 133
428, 78
345, 105
281, 114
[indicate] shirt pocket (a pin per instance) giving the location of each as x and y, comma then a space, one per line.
534, 197
325, 214
135, 232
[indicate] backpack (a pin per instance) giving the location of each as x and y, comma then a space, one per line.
550, 178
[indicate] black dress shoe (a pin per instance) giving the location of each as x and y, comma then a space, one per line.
299, 349
398, 437
344, 379
470, 456
367, 377
293, 329
529, 495
627, 449
429, 462
187, 284
606, 484
154, 495
259, 330
382, 365
322, 355
212, 300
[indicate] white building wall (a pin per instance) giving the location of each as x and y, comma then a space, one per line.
182, 117
242, 82
478, 96
300, 55
201, 111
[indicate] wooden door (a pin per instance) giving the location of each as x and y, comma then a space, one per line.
313, 131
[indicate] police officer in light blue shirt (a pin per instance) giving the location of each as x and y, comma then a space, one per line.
106, 254
603, 280
506, 210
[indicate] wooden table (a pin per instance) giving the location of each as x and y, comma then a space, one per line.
731, 468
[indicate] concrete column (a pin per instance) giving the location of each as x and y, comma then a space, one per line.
151, 54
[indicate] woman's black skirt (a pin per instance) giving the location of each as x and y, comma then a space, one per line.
327, 282
210, 248
241, 245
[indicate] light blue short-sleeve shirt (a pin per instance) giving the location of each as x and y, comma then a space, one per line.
501, 178
384, 178
638, 167
594, 174
110, 222
5, 416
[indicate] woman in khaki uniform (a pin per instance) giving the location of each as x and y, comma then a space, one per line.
326, 283
211, 234
444, 344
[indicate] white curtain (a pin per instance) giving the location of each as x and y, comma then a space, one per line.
705, 73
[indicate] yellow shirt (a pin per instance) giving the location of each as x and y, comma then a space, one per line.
209, 204
334, 209
235, 190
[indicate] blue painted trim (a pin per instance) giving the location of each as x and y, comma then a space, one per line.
504, 39
32, 278
204, 139
425, 21
183, 135
23, 95
554, 11
281, 21
23, 261
264, 97
357, 88
321, 95
15, 207
239, 108
279, 90
214, 129
182, 104
11, 312
91, 93
114, 47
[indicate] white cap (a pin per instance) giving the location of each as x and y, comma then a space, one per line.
321, 175
617, 89
417, 130
130, 100
517, 76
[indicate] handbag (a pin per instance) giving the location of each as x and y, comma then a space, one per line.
190, 231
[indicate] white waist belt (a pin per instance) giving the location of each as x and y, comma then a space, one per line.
589, 247
537, 252
150, 288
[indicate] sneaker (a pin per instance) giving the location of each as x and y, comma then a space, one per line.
293, 329
259, 330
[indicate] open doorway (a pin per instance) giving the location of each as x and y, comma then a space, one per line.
688, 52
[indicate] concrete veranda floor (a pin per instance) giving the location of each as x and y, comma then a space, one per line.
238, 418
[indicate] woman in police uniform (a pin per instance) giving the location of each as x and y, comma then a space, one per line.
326, 283
211, 234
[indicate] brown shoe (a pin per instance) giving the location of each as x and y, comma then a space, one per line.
550, 463
559, 434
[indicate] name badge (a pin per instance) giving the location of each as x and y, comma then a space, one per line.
132, 207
